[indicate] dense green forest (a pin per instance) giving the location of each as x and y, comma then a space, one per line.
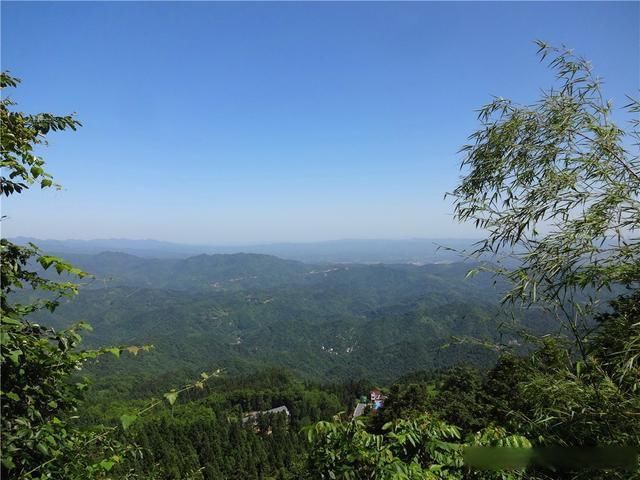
327, 322
538, 346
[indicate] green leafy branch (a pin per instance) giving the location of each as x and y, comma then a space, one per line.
20, 133
170, 397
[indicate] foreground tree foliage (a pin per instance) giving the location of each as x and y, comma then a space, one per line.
422, 447
40, 389
37, 362
556, 186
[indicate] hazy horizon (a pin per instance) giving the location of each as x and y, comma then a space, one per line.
416, 250
251, 123
253, 243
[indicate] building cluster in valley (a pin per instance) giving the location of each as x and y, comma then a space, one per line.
374, 402
253, 416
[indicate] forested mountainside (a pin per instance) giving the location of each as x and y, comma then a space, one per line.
249, 270
217, 432
330, 322
213, 432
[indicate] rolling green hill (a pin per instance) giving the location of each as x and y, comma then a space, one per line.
246, 311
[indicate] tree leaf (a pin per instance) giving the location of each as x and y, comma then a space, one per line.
127, 420
171, 397
133, 350
106, 465
115, 351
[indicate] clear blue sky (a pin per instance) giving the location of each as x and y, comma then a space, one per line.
251, 122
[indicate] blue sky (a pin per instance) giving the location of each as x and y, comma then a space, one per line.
257, 122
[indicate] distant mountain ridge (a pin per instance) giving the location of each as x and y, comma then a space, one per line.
336, 251
215, 272
241, 271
